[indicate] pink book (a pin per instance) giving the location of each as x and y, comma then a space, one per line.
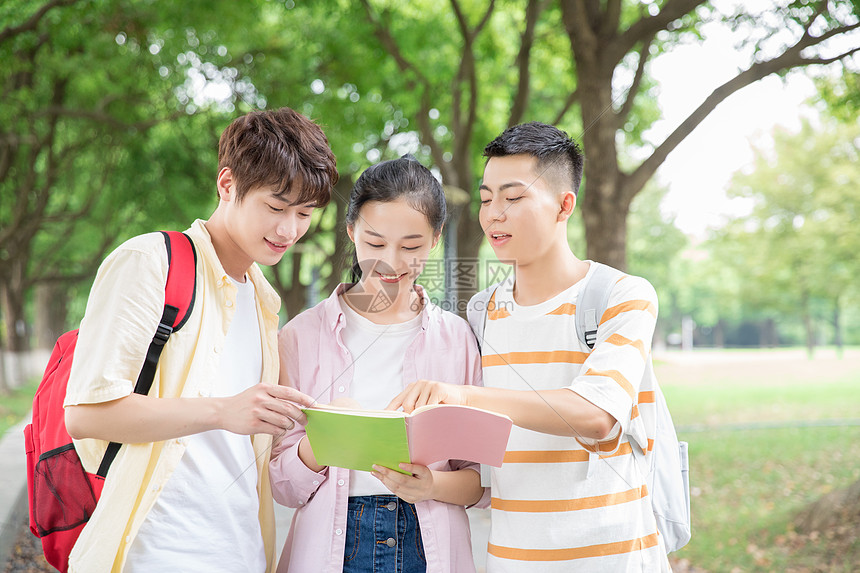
448, 432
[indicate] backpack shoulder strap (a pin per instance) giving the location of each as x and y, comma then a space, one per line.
476, 312
179, 293
593, 300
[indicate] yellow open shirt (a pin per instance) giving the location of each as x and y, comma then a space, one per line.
123, 310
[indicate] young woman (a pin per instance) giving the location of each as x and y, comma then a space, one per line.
366, 343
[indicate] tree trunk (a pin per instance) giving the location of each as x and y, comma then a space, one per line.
837, 508
604, 204
720, 334
293, 297
340, 261
52, 302
13, 311
837, 329
808, 327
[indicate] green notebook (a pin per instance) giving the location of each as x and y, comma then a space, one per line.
350, 439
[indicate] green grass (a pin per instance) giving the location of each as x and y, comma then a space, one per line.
16, 405
749, 484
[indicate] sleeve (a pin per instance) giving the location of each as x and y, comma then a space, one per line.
612, 373
293, 483
124, 307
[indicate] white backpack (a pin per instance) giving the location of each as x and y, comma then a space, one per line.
668, 470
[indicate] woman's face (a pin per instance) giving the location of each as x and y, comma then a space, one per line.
392, 243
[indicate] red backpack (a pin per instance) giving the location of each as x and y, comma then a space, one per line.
61, 493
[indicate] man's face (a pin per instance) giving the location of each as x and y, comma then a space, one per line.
263, 225
519, 211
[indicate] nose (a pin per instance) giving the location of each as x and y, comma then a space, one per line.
495, 210
288, 227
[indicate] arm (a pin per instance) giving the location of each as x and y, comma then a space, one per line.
137, 419
123, 309
603, 394
560, 412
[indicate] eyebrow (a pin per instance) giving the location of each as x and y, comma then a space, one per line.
375, 234
280, 198
505, 186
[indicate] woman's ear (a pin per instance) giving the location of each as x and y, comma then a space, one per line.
567, 205
436, 237
350, 232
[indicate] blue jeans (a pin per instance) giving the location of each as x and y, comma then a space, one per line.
382, 535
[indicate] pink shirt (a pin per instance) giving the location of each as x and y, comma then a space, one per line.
318, 364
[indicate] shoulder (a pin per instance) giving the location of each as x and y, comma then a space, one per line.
143, 255
149, 244
306, 321
629, 292
480, 299
632, 286
446, 324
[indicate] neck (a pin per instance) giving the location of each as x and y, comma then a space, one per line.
235, 263
547, 276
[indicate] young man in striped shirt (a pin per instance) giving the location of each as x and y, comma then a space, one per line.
571, 495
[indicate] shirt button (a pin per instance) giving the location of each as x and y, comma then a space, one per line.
340, 482
128, 538
390, 542
228, 304
341, 389
316, 482
338, 531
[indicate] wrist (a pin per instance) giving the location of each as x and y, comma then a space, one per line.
214, 417
306, 455
469, 395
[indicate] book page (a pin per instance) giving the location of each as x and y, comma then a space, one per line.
448, 432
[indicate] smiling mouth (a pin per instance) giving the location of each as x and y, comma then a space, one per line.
499, 236
278, 245
390, 278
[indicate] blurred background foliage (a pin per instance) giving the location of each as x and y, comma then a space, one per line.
111, 111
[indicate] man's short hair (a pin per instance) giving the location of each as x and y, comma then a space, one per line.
281, 149
559, 158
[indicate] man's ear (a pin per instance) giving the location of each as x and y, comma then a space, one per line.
226, 184
566, 205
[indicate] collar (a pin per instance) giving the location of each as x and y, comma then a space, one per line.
334, 317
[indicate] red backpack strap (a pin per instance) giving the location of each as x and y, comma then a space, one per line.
181, 276
179, 295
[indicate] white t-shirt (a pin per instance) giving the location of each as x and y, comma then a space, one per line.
206, 518
378, 351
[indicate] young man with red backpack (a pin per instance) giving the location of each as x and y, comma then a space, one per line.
189, 489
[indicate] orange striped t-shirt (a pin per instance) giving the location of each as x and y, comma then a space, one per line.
563, 503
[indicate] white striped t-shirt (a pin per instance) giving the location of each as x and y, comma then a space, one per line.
556, 504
